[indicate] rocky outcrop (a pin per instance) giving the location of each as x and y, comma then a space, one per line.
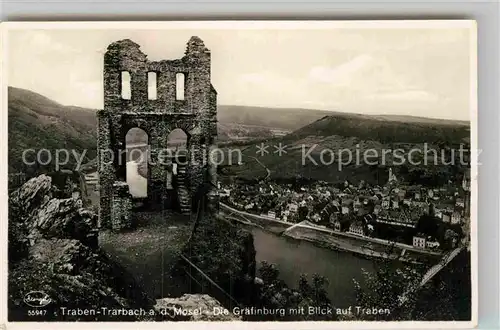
30, 196
46, 217
75, 277
194, 307
53, 249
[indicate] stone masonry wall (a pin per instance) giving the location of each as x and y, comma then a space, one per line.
105, 169
121, 207
195, 114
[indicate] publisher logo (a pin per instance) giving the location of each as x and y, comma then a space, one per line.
37, 299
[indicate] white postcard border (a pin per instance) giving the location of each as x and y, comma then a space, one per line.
322, 24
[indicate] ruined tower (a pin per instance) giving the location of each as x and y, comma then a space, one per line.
194, 111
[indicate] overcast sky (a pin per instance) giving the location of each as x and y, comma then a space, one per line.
419, 72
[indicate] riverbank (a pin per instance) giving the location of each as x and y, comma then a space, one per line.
365, 247
356, 247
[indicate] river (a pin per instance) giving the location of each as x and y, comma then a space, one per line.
294, 257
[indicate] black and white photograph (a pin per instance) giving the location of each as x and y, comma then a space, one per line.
241, 171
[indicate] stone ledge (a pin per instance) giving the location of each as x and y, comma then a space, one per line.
198, 307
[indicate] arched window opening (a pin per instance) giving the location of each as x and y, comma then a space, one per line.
137, 144
177, 140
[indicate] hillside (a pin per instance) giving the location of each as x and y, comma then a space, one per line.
342, 135
385, 130
295, 118
36, 122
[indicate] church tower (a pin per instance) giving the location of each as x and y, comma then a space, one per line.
392, 177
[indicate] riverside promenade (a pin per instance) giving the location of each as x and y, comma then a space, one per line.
289, 228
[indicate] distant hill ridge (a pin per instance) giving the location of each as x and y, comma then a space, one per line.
284, 118
37, 122
294, 118
387, 131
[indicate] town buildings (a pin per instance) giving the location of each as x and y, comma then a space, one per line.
352, 208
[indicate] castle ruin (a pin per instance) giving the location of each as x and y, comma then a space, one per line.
194, 111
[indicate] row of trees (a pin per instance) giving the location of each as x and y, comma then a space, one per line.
275, 294
446, 297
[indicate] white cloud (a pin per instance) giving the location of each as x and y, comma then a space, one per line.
342, 74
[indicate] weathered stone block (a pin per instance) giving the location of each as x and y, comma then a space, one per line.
121, 207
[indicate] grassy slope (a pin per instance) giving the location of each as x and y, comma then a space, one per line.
37, 122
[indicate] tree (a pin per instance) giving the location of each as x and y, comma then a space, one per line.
275, 294
268, 272
448, 295
450, 236
222, 251
302, 213
385, 288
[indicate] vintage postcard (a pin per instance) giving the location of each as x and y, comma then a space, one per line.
240, 171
